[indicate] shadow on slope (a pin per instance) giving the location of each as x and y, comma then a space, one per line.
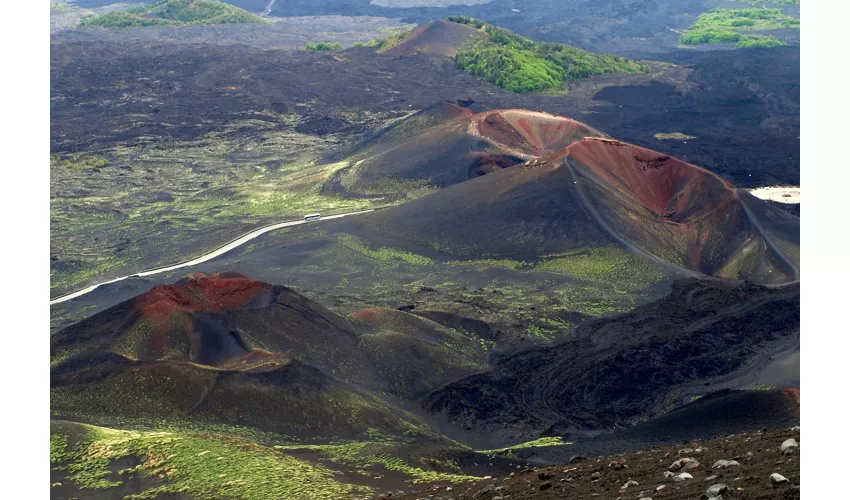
599, 192
627, 368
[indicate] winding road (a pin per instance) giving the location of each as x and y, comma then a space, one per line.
203, 258
268, 8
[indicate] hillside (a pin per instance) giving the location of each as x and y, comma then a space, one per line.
755, 456
441, 37
292, 410
619, 371
173, 12
508, 60
448, 143
518, 64
199, 349
598, 192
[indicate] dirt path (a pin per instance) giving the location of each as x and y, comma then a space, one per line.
203, 258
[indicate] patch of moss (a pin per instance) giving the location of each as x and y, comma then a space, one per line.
609, 264
673, 135
79, 161
382, 254
543, 442
196, 465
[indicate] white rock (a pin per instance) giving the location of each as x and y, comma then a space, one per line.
717, 490
776, 479
789, 445
681, 477
723, 464
684, 464
629, 483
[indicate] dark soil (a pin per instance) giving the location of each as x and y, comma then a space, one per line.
633, 28
758, 454
743, 106
630, 367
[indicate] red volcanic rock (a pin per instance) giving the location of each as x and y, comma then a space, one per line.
367, 316
666, 186
793, 395
530, 132
202, 293
488, 163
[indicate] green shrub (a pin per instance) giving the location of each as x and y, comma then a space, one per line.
753, 41
324, 47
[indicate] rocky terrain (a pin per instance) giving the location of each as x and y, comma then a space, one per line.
751, 465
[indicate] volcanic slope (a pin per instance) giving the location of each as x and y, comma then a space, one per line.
637, 366
448, 143
438, 37
225, 349
599, 192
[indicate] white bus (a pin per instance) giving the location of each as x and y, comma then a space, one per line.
313, 217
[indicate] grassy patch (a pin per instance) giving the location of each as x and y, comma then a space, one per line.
518, 64
383, 254
173, 13
674, 136
735, 26
79, 162
537, 443
372, 458
484, 264
195, 465
609, 264
390, 41
770, 2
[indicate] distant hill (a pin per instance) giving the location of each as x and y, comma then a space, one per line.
439, 37
173, 12
506, 59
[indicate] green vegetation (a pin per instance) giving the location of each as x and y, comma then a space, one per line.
673, 135
521, 65
771, 2
537, 443
609, 264
734, 25
383, 254
369, 454
390, 41
755, 41
82, 162
324, 47
62, 7
195, 465
173, 13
